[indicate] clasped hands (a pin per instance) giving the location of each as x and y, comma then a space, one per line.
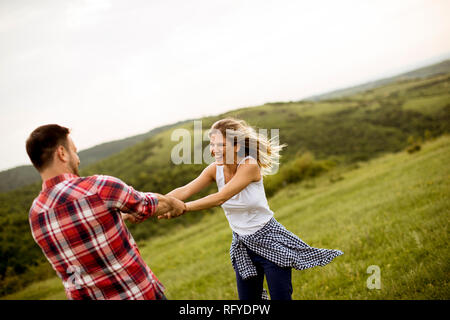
168, 207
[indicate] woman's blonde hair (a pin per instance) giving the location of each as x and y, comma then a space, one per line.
265, 151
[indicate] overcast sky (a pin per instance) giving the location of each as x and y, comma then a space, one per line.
112, 69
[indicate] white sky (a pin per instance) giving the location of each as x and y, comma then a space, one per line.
112, 69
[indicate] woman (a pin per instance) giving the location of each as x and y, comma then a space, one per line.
261, 245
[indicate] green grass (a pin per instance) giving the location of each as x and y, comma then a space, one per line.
392, 212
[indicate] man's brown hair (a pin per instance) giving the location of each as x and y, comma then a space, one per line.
42, 143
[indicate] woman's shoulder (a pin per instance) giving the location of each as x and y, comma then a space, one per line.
210, 170
249, 159
253, 166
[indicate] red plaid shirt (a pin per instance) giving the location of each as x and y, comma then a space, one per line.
77, 223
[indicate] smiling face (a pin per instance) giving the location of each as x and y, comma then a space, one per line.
220, 148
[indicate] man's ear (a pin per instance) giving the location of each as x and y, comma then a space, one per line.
61, 153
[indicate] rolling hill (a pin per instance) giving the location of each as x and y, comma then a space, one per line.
424, 72
320, 136
23, 175
391, 212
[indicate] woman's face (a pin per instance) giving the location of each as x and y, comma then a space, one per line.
220, 147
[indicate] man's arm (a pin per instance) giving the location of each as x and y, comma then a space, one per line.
119, 195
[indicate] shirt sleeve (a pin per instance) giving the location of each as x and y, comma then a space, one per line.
117, 194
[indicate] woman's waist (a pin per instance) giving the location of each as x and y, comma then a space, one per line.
246, 210
245, 206
248, 220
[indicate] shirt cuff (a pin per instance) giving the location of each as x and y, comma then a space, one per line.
152, 203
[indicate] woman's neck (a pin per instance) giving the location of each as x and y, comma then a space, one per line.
232, 167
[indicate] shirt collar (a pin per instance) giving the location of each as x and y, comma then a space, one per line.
57, 179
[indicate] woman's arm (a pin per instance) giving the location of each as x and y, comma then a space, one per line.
245, 174
202, 181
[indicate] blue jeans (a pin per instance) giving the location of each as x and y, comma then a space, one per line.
278, 279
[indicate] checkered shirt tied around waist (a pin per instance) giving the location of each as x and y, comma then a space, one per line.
275, 243
78, 225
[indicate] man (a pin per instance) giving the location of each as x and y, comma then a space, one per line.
79, 223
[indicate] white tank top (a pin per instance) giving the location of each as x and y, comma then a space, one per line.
248, 211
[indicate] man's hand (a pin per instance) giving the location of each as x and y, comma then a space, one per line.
133, 218
179, 208
169, 207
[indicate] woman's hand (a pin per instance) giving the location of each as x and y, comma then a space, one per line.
172, 214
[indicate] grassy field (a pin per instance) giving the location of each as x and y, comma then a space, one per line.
392, 212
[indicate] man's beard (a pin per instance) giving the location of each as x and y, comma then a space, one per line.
74, 167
